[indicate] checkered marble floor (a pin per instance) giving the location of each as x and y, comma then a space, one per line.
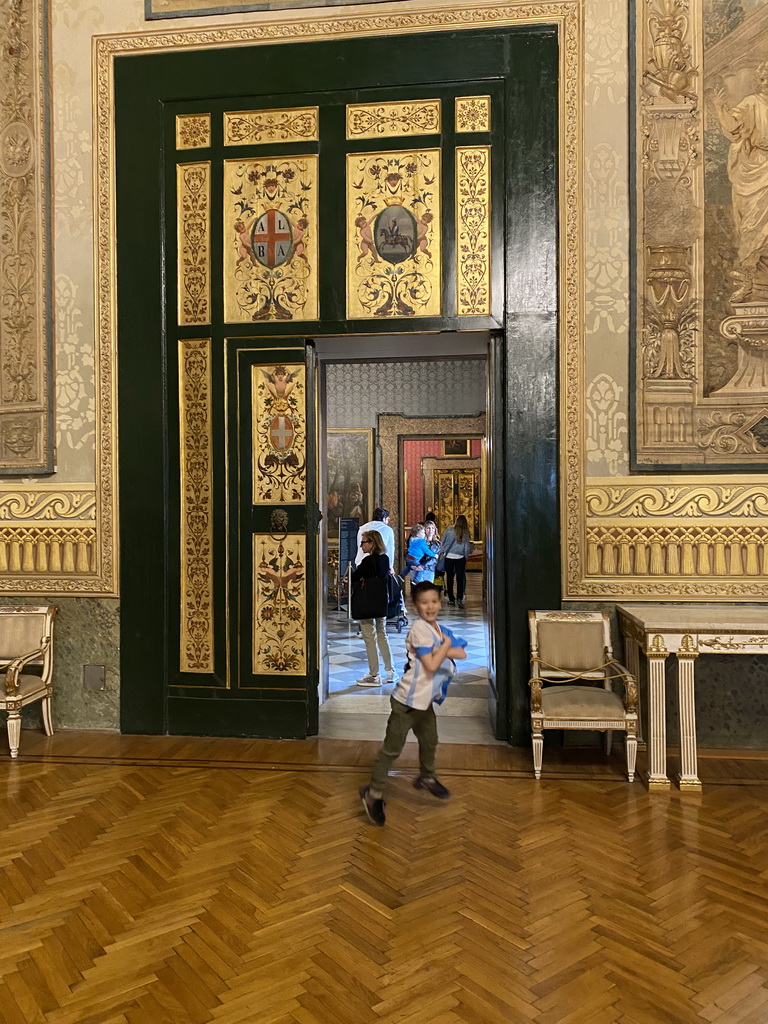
467, 696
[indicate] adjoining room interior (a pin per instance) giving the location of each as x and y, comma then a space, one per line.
402, 426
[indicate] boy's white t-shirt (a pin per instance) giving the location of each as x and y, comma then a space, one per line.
418, 688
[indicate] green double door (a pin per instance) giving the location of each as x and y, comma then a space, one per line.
266, 196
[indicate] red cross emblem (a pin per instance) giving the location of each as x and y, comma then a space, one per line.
281, 433
272, 238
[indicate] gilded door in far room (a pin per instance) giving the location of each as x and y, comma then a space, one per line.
457, 493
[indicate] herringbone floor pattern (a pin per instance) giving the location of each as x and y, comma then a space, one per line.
154, 894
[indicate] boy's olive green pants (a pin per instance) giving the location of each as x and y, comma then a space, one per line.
401, 720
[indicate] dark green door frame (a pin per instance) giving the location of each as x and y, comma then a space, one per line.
524, 354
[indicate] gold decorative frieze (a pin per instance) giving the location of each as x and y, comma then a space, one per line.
473, 231
193, 183
677, 501
473, 113
193, 131
730, 643
393, 120
45, 550
270, 239
279, 605
196, 506
26, 378
393, 234
25, 504
251, 127
278, 395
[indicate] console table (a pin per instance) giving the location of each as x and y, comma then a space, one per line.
687, 632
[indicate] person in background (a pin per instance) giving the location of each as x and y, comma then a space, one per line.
419, 555
375, 562
379, 522
456, 547
432, 537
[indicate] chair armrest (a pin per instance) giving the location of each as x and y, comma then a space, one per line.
630, 685
535, 685
13, 671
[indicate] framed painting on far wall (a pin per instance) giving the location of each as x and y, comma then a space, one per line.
349, 483
456, 446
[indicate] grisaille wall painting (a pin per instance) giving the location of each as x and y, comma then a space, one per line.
702, 289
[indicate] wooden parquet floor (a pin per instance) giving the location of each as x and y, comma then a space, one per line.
152, 893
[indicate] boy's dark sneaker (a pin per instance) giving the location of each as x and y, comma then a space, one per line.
433, 786
373, 808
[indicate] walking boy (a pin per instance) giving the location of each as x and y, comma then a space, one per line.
432, 651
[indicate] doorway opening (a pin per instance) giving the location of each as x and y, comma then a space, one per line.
402, 425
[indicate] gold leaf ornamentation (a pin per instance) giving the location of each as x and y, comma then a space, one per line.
393, 120
279, 434
195, 465
271, 239
473, 230
279, 605
296, 124
473, 113
193, 131
393, 234
194, 242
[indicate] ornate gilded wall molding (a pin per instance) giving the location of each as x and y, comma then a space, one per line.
196, 506
193, 221
473, 230
26, 325
279, 605
695, 501
43, 505
565, 15
393, 120
295, 124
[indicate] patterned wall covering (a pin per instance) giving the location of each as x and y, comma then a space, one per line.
413, 453
358, 392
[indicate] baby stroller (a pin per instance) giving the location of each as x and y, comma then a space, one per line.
396, 608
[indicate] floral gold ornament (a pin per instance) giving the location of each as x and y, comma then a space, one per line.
473, 113
393, 120
194, 242
473, 230
270, 230
196, 506
279, 434
253, 127
393, 234
279, 605
193, 131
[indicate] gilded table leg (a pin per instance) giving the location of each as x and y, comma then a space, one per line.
688, 777
632, 653
657, 720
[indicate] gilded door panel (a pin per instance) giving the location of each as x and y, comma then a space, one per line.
394, 264
279, 604
270, 208
279, 434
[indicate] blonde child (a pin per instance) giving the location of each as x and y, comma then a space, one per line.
432, 651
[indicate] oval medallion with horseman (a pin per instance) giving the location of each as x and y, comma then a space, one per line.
272, 238
395, 234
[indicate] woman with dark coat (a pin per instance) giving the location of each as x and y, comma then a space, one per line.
375, 563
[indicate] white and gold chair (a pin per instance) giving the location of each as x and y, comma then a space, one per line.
26, 660
572, 672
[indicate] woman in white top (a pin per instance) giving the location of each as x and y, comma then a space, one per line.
456, 548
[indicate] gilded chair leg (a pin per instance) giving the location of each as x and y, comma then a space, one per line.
14, 732
47, 723
608, 741
631, 756
538, 751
